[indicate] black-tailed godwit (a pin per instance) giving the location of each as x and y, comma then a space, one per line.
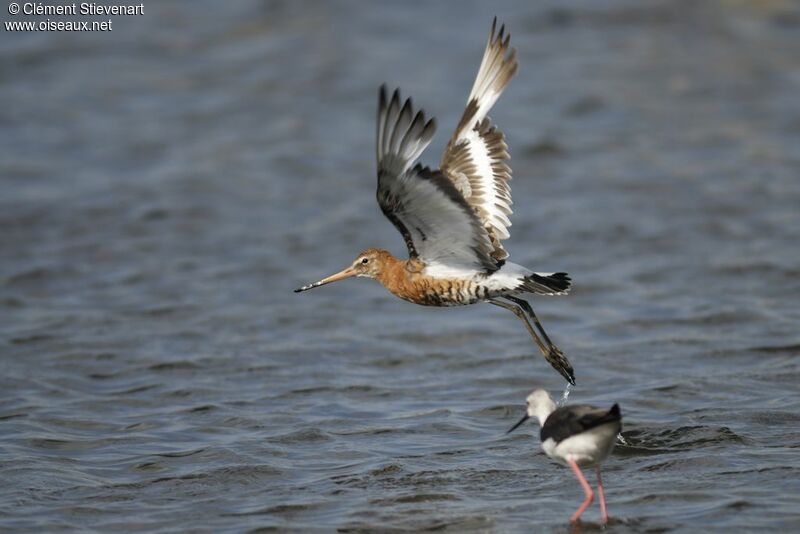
577, 436
454, 219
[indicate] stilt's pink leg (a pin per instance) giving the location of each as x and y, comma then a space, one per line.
603, 511
586, 489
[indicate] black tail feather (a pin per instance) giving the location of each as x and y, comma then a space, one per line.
554, 284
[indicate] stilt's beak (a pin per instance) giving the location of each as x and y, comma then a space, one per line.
524, 418
347, 273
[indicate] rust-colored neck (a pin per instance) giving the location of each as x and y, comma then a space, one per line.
393, 274
404, 278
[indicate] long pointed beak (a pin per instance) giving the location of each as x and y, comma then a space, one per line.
524, 418
341, 275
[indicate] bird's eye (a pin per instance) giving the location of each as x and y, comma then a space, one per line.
365, 260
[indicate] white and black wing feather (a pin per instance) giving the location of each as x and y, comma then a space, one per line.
437, 223
475, 159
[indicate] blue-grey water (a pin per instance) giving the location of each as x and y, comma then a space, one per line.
166, 185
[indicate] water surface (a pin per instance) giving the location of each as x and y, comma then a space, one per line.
166, 186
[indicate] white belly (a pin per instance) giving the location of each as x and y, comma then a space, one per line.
587, 449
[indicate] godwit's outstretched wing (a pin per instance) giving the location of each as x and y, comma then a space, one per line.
475, 159
437, 223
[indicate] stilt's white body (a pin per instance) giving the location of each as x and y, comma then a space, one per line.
587, 449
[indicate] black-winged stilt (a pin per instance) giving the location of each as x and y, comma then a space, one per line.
577, 436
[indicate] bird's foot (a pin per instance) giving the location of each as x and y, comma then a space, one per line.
561, 364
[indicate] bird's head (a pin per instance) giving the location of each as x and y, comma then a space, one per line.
539, 404
369, 264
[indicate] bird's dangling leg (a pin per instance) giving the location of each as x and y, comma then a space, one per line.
603, 510
552, 354
529, 310
586, 490
555, 357
519, 312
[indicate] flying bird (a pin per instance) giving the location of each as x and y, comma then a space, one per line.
576, 436
454, 219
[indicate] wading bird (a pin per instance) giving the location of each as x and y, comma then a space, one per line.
577, 436
453, 219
